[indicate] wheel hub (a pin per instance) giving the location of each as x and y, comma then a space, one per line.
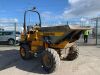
47, 61
22, 52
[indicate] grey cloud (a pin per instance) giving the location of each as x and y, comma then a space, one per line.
83, 8
78, 8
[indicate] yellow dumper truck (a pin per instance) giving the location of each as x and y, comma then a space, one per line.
49, 43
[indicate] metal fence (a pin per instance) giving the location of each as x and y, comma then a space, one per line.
94, 36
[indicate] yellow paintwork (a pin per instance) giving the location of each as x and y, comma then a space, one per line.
51, 33
33, 49
37, 43
60, 45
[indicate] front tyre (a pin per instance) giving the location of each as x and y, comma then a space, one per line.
50, 60
24, 52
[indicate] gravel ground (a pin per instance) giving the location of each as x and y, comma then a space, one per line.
88, 63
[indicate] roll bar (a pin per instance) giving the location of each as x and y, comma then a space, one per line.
32, 10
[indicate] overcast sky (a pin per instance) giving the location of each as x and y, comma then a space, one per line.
50, 10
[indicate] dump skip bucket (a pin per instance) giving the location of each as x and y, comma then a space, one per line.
70, 32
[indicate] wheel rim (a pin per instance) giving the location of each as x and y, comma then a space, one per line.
22, 52
47, 61
11, 42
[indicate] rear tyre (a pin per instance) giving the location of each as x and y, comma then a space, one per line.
69, 53
11, 42
24, 52
73, 53
50, 60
